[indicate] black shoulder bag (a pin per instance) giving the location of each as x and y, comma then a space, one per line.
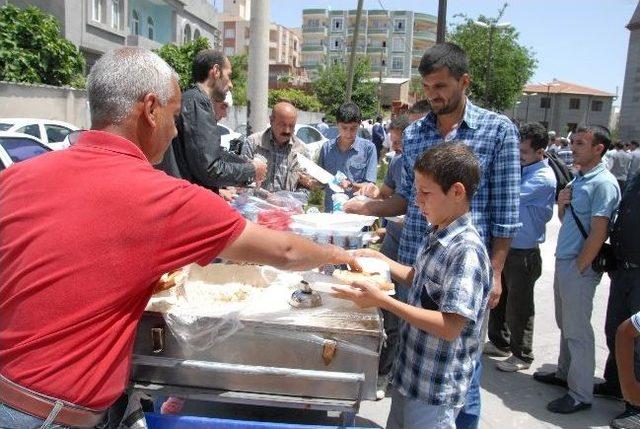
605, 260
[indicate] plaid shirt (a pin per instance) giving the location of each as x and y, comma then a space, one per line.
278, 176
452, 275
494, 208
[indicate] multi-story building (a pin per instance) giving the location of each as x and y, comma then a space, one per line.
394, 41
629, 126
562, 106
284, 43
96, 26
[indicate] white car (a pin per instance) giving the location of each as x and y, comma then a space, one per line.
226, 135
312, 138
50, 132
16, 147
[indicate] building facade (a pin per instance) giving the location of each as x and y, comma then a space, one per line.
96, 26
562, 106
629, 125
394, 41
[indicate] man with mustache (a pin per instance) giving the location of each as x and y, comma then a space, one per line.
278, 145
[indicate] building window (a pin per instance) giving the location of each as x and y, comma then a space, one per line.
196, 34
383, 63
186, 34
398, 25
398, 44
115, 13
313, 23
384, 43
596, 105
545, 102
336, 23
96, 10
135, 22
397, 63
150, 28
228, 51
336, 44
230, 33
574, 103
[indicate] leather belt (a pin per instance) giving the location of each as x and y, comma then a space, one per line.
30, 402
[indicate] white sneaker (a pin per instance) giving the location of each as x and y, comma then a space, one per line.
490, 349
381, 389
513, 364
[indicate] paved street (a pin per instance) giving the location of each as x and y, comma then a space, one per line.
509, 400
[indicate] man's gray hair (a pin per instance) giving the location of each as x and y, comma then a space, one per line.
122, 77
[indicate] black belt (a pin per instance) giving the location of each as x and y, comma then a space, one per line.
627, 265
523, 251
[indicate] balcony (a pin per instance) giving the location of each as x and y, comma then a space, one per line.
377, 31
142, 42
399, 13
417, 16
378, 12
376, 49
314, 31
314, 48
424, 35
336, 13
310, 12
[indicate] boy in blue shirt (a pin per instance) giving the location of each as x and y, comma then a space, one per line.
348, 153
442, 320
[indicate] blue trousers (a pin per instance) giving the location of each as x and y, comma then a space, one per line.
469, 416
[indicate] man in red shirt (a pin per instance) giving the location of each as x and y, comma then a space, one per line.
86, 233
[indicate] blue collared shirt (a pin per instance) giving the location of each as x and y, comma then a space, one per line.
359, 163
494, 208
452, 275
537, 196
594, 193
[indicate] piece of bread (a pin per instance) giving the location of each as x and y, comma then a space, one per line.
375, 278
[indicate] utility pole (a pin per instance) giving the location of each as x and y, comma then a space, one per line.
487, 77
258, 74
442, 21
354, 47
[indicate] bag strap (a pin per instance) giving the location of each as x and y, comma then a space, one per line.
580, 227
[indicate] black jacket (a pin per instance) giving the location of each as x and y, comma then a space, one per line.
195, 154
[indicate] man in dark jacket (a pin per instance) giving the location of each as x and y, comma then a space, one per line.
196, 154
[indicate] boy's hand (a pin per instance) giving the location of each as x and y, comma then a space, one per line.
369, 253
361, 293
369, 190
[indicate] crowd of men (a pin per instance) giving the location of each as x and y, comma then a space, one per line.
469, 191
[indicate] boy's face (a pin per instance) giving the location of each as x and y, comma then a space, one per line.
396, 140
438, 207
348, 132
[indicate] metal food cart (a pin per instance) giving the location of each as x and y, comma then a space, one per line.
260, 350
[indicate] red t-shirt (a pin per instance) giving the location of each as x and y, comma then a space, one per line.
85, 233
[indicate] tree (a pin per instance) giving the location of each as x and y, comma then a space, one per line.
32, 50
181, 58
239, 68
512, 65
298, 98
331, 88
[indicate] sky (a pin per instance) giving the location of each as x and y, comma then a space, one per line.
580, 41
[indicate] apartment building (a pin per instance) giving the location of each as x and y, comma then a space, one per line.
562, 106
96, 26
394, 40
284, 43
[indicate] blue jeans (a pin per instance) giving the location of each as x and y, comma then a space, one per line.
469, 416
407, 413
10, 418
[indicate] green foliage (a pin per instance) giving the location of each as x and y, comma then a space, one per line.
181, 58
239, 69
32, 50
331, 89
298, 98
512, 65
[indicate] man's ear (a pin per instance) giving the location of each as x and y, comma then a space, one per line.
150, 107
214, 72
465, 80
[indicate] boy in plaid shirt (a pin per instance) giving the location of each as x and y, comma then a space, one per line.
440, 336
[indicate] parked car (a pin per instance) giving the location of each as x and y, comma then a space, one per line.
227, 135
312, 138
333, 132
16, 147
50, 132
